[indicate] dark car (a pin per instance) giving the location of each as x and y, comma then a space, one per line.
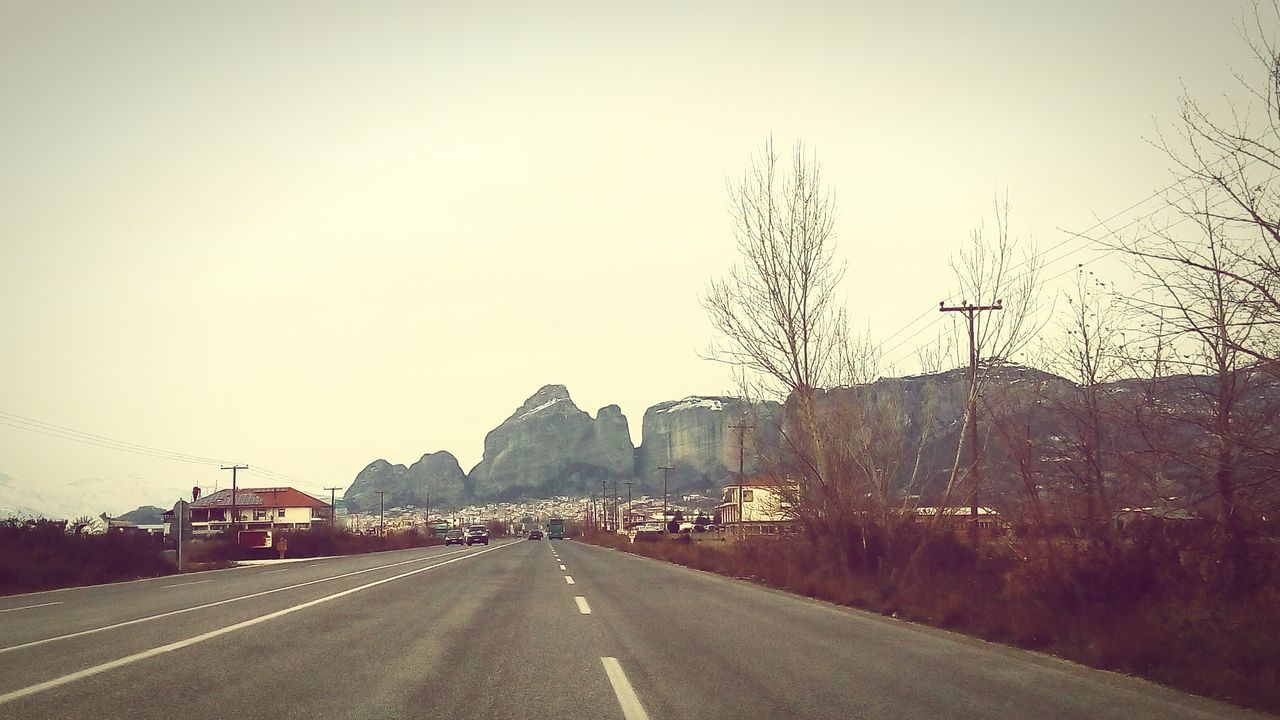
453, 537
535, 535
477, 534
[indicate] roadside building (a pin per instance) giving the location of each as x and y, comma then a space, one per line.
957, 519
766, 506
275, 508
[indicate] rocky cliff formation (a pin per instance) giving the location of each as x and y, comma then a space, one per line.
548, 446
436, 473
694, 437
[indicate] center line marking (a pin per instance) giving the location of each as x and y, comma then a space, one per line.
130, 659
631, 707
568, 579
197, 582
583, 607
562, 567
28, 607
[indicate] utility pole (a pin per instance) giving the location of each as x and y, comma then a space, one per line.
604, 515
971, 312
742, 427
428, 514
333, 507
382, 525
613, 508
234, 469
628, 483
664, 469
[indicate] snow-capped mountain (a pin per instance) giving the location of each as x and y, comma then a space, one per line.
65, 500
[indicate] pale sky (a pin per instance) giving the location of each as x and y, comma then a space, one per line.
307, 235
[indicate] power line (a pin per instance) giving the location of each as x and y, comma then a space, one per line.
1074, 236
62, 432
1071, 236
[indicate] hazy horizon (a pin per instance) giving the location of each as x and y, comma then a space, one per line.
308, 236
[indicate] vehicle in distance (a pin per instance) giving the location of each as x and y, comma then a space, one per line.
477, 534
454, 536
555, 529
535, 535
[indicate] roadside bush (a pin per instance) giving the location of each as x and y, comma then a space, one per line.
1149, 603
40, 555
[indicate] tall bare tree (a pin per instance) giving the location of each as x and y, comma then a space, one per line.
781, 323
994, 266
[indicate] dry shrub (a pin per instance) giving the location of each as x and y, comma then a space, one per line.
40, 555
1151, 604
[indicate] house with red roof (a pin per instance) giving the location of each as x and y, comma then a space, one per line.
273, 508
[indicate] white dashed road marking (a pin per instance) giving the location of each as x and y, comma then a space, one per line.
197, 582
583, 607
568, 579
631, 707
28, 607
562, 567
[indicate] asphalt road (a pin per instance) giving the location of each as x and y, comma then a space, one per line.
505, 632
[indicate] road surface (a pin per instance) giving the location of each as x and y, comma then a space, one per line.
521, 629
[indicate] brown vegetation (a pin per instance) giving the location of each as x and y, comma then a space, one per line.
1154, 604
41, 555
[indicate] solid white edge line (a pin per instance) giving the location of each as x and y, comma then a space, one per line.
631, 707
145, 654
28, 607
583, 607
216, 603
569, 579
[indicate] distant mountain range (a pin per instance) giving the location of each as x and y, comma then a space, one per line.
549, 446
86, 496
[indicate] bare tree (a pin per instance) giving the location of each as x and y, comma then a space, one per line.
1088, 353
1226, 167
1211, 318
990, 268
777, 311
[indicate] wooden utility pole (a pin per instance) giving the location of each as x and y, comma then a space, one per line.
664, 469
971, 313
234, 469
628, 483
333, 507
382, 525
742, 428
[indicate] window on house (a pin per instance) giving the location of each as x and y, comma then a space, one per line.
259, 514
279, 512
748, 496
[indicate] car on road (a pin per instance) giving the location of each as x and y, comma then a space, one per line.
535, 535
477, 534
453, 537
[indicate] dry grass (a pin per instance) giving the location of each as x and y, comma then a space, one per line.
1151, 607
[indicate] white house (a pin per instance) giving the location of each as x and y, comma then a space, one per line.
765, 506
277, 508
